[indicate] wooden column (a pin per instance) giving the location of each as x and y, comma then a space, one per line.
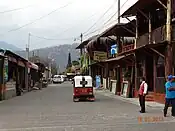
150, 28
155, 72
144, 67
168, 53
135, 46
118, 83
132, 80
107, 74
136, 73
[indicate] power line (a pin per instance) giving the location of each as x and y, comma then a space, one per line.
40, 18
107, 20
101, 16
50, 38
74, 26
116, 12
7, 11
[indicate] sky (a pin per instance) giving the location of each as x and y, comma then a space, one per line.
56, 22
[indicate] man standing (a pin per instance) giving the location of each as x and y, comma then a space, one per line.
170, 95
142, 93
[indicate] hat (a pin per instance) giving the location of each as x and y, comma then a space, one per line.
170, 77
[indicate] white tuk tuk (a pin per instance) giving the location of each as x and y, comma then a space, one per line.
83, 88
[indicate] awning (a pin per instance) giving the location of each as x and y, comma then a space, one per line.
20, 63
119, 58
12, 59
84, 43
122, 29
32, 65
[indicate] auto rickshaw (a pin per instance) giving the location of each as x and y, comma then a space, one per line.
83, 88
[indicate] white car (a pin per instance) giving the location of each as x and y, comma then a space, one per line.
58, 79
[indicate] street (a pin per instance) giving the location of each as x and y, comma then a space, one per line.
52, 109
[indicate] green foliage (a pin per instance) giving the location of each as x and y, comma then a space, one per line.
74, 63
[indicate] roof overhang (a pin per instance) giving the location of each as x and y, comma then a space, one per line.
8, 52
123, 30
84, 43
141, 5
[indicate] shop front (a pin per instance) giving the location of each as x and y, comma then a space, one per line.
1, 76
33, 75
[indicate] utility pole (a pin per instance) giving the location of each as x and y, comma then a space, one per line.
27, 47
81, 37
118, 11
118, 68
169, 51
27, 70
81, 50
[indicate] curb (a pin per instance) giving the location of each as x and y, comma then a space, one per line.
128, 100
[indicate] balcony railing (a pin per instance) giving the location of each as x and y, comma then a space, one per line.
157, 36
173, 33
127, 48
142, 40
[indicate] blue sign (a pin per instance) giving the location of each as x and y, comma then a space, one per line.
114, 49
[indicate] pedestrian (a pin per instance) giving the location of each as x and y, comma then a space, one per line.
98, 81
142, 93
170, 95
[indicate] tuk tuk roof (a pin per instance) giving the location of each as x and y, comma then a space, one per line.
80, 77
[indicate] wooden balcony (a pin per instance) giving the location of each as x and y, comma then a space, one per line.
157, 36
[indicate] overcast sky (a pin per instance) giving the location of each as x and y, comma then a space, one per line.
65, 24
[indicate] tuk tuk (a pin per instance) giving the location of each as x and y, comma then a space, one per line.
83, 88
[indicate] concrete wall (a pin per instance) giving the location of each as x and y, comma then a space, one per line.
104, 83
10, 91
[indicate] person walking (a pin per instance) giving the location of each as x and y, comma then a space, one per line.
142, 93
170, 95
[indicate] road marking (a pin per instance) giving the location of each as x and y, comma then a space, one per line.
82, 125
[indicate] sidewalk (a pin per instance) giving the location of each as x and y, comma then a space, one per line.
107, 93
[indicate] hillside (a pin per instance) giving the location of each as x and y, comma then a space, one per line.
5, 45
58, 53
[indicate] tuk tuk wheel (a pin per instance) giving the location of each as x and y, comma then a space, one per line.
74, 99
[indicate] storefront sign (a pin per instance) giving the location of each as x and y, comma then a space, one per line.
6, 69
100, 56
125, 89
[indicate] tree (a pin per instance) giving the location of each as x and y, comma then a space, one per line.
69, 63
74, 63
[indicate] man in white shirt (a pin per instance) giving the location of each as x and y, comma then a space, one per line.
142, 93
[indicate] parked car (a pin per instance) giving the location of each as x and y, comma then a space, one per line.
58, 79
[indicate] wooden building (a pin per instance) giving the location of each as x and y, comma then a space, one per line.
14, 74
150, 55
154, 44
1, 76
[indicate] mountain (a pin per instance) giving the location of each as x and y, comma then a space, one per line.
5, 45
58, 53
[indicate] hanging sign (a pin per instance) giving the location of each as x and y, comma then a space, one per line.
100, 56
5, 69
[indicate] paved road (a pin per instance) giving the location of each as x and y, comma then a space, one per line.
52, 109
